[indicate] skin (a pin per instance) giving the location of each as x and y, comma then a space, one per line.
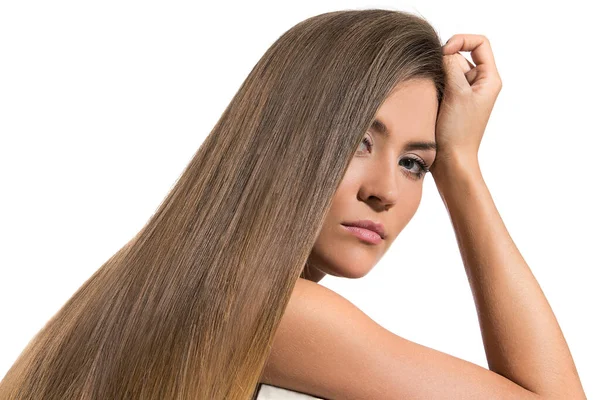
379, 184
327, 346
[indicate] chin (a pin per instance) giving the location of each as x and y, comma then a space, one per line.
358, 274
350, 273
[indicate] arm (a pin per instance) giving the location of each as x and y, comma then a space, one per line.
327, 347
522, 339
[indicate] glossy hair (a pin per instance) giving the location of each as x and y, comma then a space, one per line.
188, 308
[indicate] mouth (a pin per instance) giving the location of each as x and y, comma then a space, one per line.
365, 235
367, 224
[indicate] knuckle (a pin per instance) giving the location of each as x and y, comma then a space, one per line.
462, 91
499, 84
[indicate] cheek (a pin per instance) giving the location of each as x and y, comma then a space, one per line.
355, 173
344, 196
408, 205
339, 254
415, 197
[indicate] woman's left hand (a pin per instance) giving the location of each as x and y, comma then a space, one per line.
471, 91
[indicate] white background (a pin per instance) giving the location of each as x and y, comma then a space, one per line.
103, 105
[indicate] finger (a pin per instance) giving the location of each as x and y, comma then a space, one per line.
456, 73
478, 45
467, 67
471, 76
468, 62
462, 61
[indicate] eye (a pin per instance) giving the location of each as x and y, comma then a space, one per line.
413, 167
367, 142
413, 162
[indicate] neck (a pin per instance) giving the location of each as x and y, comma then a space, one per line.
311, 273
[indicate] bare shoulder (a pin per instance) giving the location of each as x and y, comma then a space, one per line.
328, 347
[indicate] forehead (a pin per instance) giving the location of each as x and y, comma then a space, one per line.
409, 110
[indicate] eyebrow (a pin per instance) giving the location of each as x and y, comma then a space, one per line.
379, 127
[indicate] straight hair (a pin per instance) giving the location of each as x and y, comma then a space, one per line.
189, 307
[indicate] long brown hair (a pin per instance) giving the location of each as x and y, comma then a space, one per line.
188, 308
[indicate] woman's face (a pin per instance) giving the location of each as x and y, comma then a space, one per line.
383, 183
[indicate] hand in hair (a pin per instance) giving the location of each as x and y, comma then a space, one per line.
470, 94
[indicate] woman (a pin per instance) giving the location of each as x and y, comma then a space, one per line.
205, 302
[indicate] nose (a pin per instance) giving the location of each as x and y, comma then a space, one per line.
380, 184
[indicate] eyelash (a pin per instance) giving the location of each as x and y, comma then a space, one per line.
424, 168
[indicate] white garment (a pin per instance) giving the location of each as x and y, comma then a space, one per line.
269, 392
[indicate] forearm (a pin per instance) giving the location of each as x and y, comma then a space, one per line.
521, 336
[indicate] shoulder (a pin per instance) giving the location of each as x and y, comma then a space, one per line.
327, 347
319, 329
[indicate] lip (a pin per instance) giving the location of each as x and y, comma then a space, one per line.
366, 235
368, 224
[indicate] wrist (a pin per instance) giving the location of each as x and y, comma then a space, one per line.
454, 167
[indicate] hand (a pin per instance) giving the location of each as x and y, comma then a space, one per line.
471, 91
